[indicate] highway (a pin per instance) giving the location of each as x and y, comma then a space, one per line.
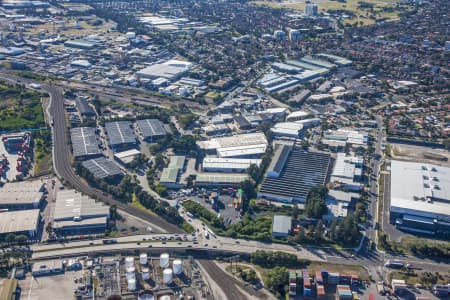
62, 156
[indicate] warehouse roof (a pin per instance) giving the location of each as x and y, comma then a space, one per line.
19, 221
302, 171
279, 160
221, 178
84, 141
229, 163
282, 224
57, 224
151, 127
239, 140
169, 69
177, 162
21, 193
120, 133
84, 108
428, 187
292, 129
101, 167
71, 205
169, 175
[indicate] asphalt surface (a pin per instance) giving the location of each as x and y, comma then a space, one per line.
62, 157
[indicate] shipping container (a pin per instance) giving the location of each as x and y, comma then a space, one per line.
319, 279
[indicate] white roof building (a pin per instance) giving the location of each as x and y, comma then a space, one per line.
241, 145
288, 129
218, 164
419, 189
171, 70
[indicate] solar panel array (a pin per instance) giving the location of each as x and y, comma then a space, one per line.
84, 142
151, 128
102, 168
120, 132
302, 171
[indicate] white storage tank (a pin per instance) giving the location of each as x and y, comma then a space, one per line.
131, 284
177, 267
167, 276
129, 261
146, 295
143, 258
145, 273
164, 260
130, 272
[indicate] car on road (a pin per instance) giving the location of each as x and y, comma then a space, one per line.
205, 244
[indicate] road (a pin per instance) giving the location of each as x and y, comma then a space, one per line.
62, 156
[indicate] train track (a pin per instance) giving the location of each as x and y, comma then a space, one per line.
62, 155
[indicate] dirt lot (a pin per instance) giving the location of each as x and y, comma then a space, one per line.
419, 154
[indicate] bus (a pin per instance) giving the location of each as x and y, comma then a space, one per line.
394, 263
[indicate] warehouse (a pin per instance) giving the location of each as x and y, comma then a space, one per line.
121, 135
281, 226
219, 180
288, 129
177, 162
81, 44
169, 178
151, 129
300, 172
101, 168
20, 222
344, 137
347, 172
84, 108
250, 145
84, 143
228, 165
76, 213
22, 195
298, 115
51, 267
170, 70
126, 157
424, 206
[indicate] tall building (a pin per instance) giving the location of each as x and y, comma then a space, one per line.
311, 9
279, 35
294, 35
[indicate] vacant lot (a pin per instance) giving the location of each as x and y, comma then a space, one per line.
19, 108
366, 12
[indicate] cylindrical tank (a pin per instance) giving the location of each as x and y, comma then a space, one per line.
129, 261
164, 260
131, 284
143, 258
146, 295
167, 276
177, 267
130, 272
145, 273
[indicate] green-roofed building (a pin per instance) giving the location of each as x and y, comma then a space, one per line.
227, 180
169, 178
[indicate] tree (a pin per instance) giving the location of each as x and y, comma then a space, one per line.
277, 278
161, 190
315, 206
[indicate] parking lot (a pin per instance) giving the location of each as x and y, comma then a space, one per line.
50, 287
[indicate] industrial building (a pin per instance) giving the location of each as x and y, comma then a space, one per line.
170, 70
81, 44
170, 175
151, 129
85, 110
338, 202
76, 213
84, 143
101, 168
219, 180
288, 129
293, 173
347, 172
228, 165
126, 157
239, 146
121, 135
298, 115
20, 222
281, 226
420, 197
22, 195
341, 138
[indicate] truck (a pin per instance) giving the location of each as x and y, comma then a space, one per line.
190, 215
206, 234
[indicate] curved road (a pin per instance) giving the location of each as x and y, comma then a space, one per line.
62, 152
